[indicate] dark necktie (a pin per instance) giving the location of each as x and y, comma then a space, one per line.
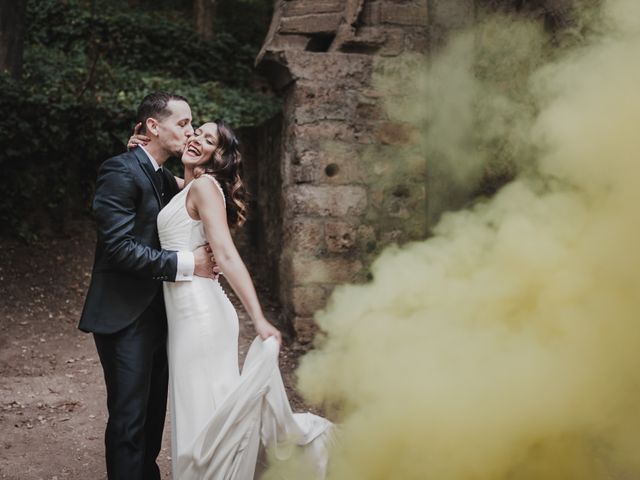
160, 183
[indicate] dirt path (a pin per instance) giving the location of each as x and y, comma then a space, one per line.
52, 397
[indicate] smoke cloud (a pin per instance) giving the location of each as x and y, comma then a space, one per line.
507, 345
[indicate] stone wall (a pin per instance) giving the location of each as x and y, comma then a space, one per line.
338, 200
330, 187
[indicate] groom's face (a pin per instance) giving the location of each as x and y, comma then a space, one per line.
175, 129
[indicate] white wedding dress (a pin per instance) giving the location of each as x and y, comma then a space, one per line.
219, 416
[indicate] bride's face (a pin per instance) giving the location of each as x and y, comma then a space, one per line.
201, 146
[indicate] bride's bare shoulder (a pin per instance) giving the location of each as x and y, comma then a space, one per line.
206, 187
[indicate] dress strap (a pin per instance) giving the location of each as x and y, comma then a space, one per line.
217, 184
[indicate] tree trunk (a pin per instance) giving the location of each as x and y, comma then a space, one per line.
12, 36
204, 12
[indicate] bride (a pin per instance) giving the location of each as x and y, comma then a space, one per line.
219, 414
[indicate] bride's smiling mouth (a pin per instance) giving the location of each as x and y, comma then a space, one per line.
193, 150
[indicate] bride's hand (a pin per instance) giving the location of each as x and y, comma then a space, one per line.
137, 138
266, 330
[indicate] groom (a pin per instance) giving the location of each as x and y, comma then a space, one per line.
124, 308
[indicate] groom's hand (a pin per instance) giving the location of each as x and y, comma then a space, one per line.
205, 263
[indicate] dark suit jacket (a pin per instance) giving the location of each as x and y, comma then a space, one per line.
129, 265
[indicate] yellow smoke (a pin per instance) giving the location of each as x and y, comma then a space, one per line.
506, 346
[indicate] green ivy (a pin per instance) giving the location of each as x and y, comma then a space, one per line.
84, 75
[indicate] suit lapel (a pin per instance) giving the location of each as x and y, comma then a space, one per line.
147, 168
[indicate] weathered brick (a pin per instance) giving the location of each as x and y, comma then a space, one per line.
327, 162
339, 236
416, 41
363, 39
321, 200
305, 7
394, 133
290, 42
332, 270
370, 111
308, 299
393, 236
394, 43
453, 14
335, 130
371, 13
304, 235
315, 23
319, 102
306, 329
404, 14
366, 237
335, 67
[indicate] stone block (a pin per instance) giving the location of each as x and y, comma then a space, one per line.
328, 162
371, 13
304, 7
290, 42
404, 14
365, 40
393, 236
447, 17
452, 14
372, 93
305, 328
339, 237
315, 103
310, 24
334, 130
326, 200
303, 168
331, 270
308, 299
416, 41
368, 111
396, 133
304, 235
344, 69
366, 238
393, 44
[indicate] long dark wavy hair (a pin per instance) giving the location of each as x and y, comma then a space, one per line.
226, 166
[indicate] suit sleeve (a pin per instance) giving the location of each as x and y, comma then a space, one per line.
114, 206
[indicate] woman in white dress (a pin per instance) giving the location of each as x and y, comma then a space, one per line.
219, 415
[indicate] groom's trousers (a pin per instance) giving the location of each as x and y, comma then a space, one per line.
135, 367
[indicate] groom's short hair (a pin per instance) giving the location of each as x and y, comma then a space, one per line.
155, 105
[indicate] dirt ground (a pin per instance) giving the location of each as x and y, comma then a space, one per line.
52, 396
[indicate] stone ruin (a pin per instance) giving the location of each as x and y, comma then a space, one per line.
324, 206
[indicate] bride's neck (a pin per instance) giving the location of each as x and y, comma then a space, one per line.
188, 175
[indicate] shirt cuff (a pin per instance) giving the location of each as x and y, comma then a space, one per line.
186, 266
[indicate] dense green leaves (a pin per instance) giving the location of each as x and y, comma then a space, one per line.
84, 74
141, 41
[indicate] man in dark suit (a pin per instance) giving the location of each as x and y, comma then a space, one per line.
124, 308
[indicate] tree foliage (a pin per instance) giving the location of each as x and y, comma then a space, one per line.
86, 67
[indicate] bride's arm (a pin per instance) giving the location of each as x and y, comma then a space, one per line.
205, 200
